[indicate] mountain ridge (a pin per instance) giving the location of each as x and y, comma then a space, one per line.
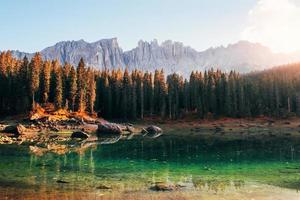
172, 56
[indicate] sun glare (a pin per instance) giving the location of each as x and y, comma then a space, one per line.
276, 25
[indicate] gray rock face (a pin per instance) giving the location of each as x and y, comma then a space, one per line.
171, 56
101, 54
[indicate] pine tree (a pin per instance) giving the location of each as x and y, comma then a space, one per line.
156, 92
232, 94
45, 81
148, 93
139, 94
115, 86
24, 85
186, 96
58, 98
133, 99
81, 87
194, 91
175, 86
35, 66
66, 83
225, 101
201, 109
72, 88
211, 98
91, 90
162, 94
107, 98
126, 95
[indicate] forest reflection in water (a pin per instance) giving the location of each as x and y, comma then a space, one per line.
189, 164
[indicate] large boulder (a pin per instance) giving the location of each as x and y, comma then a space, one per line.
109, 129
15, 129
79, 135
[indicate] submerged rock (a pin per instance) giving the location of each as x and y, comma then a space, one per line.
80, 135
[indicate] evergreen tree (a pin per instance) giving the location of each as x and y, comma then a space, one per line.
23, 84
72, 88
126, 95
81, 87
162, 94
45, 81
148, 93
35, 66
107, 98
133, 99
66, 84
58, 98
91, 90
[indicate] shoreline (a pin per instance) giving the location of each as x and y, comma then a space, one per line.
60, 141
263, 126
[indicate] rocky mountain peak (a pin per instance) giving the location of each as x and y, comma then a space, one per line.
172, 56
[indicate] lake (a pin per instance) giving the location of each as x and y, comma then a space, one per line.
200, 168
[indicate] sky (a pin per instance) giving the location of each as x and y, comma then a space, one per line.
32, 25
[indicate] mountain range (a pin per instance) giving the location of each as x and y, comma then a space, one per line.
242, 56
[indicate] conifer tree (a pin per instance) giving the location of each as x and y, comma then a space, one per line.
148, 93
58, 98
186, 96
139, 94
133, 99
66, 83
126, 95
45, 81
107, 98
91, 90
201, 109
81, 87
162, 94
35, 66
72, 88
156, 92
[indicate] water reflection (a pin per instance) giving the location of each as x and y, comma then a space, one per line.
190, 164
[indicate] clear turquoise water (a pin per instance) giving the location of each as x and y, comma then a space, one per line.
131, 165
